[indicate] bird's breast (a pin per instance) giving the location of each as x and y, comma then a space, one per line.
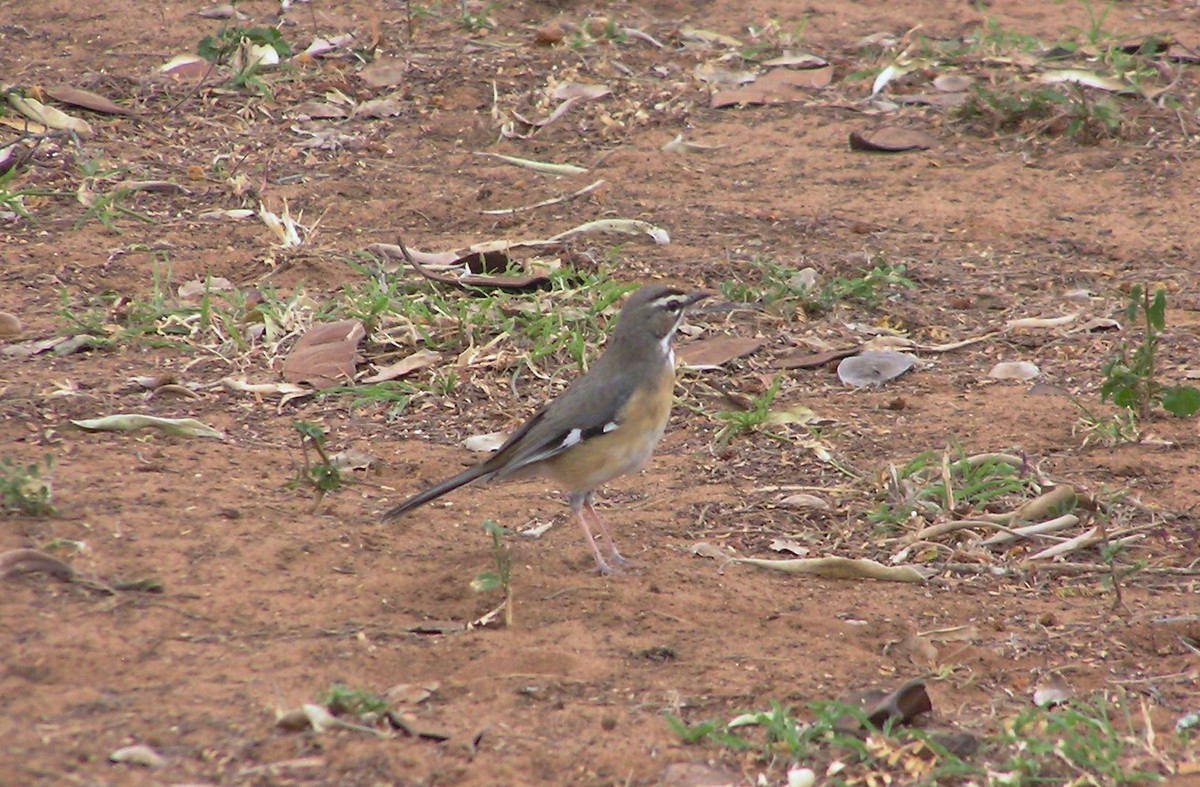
640, 425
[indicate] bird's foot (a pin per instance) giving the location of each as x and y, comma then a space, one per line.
616, 566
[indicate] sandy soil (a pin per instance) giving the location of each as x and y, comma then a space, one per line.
265, 604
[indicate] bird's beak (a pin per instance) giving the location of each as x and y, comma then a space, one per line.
699, 295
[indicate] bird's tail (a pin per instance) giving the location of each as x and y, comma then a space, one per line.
449, 485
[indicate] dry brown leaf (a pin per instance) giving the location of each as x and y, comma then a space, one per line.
806, 360
186, 67
407, 365
86, 99
10, 326
715, 352
698, 774
777, 86
840, 568
28, 561
384, 107
891, 139
567, 90
469, 279
384, 72
874, 368
324, 355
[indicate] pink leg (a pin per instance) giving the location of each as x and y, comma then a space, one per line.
616, 557
580, 504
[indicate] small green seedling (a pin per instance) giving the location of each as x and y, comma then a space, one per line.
226, 46
341, 700
500, 578
322, 475
26, 489
1130, 378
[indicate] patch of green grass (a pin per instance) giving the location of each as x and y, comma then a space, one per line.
394, 395
1087, 741
738, 422
935, 484
783, 288
157, 317
13, 199
26, 489
1070, 111
342, 700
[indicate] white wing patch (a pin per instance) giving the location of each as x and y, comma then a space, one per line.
573, 437
611, 426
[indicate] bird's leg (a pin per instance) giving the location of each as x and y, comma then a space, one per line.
580, 504
616, 557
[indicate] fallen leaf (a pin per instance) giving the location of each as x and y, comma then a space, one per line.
407, 365
411, 693
323, 46
139, 754
709, 37
952, 83
874, 368
1100, 324
1041, 322
86, 99
532, 127
680, 145
324, 355
891, 139
352, 459
186, 66
29, 561
383, 107
797, 60
1053, 691
587, 92
485, 443
540, 167
1087, 79
224, 11
49, 116
777, 86
903, 705
384, 72
787, 545
1014, 370
713, 74
623, 226
715, 352
698, 774
807, 360
940, 100
10, 326
130, 422
193, 289
839, 568
805, 501
319, 110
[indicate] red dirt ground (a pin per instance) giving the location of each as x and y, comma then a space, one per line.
265, 604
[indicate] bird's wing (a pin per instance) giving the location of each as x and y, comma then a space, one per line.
578, 414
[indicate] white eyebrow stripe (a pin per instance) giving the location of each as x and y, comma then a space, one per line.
676, 299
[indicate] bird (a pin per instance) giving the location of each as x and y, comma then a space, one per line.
604, 425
